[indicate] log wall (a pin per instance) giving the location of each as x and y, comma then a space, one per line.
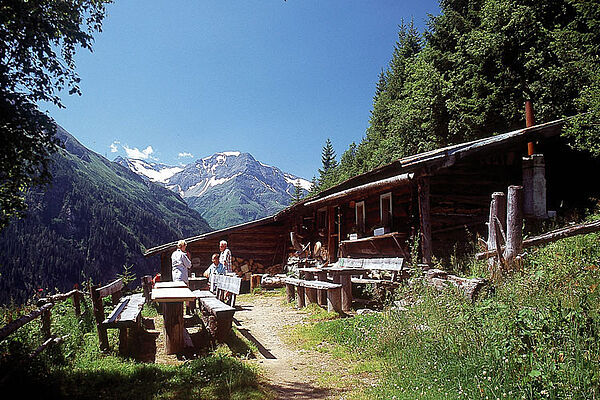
258, 247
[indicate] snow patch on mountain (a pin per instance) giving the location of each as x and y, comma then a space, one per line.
292, 180
159, 173
228, 187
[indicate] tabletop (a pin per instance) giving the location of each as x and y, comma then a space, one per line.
310, 269
345, 270
172, 294
175, 284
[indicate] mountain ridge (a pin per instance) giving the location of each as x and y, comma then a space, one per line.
227, 188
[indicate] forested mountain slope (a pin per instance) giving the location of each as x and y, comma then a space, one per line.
469, 75
94, 218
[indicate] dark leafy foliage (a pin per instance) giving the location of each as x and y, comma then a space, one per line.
471, 72
38, 42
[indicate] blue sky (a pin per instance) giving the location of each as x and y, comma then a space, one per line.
178, 81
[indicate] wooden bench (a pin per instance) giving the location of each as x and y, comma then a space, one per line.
125, 316
228, 287
216, 315
308, 292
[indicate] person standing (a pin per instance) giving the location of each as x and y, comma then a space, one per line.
225, 257
180, 262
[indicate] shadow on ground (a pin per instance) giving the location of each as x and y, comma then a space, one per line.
294, 391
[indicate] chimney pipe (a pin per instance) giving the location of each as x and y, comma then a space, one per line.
529, 121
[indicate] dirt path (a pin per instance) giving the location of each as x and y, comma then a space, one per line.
291, 373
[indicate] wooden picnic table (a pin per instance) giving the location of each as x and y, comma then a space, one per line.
168, 284
172, 299
343, 276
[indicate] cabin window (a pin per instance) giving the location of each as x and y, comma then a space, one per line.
322, 218
360, 216
385, 209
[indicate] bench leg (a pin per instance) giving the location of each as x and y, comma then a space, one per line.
123, 341
290, 291
223, 329
311, 295
346, 282
322, 297
301, 302
334, 300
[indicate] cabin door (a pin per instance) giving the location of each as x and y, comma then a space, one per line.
333, 232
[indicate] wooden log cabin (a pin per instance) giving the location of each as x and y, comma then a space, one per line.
440, 196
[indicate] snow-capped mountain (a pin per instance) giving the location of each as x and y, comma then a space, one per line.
227, 188
155, 172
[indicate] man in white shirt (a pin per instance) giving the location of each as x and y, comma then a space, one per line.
180, 263
225, 257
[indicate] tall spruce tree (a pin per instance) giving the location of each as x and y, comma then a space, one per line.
329, 163
298, 193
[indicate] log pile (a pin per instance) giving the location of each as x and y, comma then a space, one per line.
442, 280
244, 268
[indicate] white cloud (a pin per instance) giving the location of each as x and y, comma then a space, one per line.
185, 154
139, 154
113, 146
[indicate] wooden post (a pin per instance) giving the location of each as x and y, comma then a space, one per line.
322, 276
331, 235
147, 286
514, 224
346, 282
76, 303
497, 213
290, 292
539, 186
99, 316
334, 300
527, 186
46, 322
255, 281
301, 303
173, 329
425, 216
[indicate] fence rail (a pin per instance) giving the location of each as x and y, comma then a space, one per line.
44, 312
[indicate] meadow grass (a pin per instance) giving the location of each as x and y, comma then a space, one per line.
77, 369
533, 335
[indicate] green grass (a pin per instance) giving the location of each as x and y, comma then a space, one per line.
534, 335
77, 369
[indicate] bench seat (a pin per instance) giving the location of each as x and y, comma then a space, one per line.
217, 316
392, 265
203, 293
127, 312
309, 289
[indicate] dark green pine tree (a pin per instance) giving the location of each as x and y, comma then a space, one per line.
297, 196
327, 159
314, 186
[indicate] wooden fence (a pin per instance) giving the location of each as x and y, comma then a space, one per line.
44, 312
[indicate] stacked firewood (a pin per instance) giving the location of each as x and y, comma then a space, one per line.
244, 268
